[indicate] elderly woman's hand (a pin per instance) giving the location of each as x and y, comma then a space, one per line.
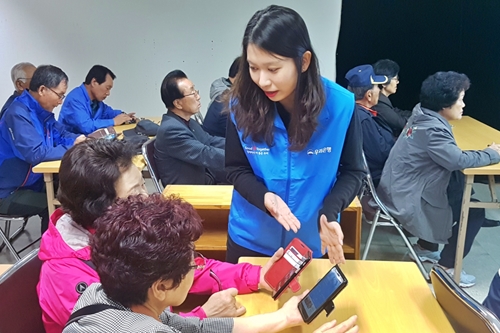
348, 326
276, 256
223, 304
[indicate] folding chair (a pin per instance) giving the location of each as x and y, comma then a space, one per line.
464, 312
148, 150
8, 239
19, 307
381, 211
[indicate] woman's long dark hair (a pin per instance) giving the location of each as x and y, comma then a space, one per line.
281, 31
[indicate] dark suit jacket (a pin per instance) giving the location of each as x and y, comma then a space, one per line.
377, 141
394, 117
185, 153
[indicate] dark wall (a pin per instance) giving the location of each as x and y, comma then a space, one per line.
424, 37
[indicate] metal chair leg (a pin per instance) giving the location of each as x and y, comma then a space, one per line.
370, 236
6, 233
9, 245
412, 251
18, 231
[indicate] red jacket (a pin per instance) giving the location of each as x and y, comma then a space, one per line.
65, 274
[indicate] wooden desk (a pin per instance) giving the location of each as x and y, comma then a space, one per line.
471, 134
386, 296
52, 167
4, 268
213, 202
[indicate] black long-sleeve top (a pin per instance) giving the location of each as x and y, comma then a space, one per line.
346, 187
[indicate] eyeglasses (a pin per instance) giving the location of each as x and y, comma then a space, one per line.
61, 96
196, 92
200, 262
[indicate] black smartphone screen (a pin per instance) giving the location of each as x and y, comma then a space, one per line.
324, 291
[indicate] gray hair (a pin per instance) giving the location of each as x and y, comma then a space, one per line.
18, 73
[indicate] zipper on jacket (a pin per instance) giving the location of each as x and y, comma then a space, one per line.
287, 194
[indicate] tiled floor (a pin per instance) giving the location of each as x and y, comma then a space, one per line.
483, 260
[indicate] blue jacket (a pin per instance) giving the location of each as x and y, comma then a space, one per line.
377, 141
9, 102
302, 179
29, 135
76, 113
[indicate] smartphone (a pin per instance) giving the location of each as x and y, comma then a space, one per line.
284, 271
322, 295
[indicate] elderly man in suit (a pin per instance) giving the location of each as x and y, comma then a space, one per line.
184, 152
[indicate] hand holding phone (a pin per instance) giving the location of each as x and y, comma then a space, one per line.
283, 273
321, 296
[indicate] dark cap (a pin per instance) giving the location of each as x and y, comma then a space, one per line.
364, 76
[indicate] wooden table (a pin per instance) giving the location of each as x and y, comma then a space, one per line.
471, 134
386, 296
52, 167
4, 268
213, 202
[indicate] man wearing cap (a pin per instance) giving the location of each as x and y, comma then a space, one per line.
377, 135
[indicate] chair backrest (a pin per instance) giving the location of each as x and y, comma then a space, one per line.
371, 187
148, 151
464, 312
19, 307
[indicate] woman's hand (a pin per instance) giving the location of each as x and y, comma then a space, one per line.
80, 139
348, 326
262, 283
290, 310
223, 304
280, 211
332, 239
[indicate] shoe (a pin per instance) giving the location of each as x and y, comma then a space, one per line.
425, 255
466, 280
490, 223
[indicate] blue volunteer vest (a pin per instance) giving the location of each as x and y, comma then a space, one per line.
302, 179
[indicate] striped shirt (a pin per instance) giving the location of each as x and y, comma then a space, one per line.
126, 321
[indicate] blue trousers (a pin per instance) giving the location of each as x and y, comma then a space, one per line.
492, 301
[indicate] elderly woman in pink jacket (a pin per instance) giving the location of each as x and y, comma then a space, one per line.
92, 175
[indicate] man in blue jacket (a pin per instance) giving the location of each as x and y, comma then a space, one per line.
29, 135
377, 135
84, 110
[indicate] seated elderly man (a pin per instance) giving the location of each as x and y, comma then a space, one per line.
21, 75
421, 183
184, 152
84, 111
143, 251
377, 135
29, 135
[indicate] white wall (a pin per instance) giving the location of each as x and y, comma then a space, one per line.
141, 41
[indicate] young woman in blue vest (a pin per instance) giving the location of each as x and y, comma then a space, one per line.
293, 147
